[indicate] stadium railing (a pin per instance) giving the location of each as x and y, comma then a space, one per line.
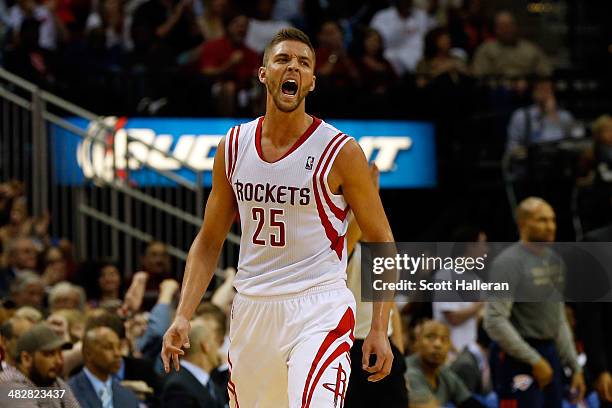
100, 206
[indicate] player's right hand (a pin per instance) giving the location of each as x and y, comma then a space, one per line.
377, 343
176, 338
542, 372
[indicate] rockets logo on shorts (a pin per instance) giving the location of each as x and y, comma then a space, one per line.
339, 387
293, 225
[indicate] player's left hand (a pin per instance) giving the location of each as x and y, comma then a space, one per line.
578, 387
377, 343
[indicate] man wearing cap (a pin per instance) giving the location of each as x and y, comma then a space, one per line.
39, 363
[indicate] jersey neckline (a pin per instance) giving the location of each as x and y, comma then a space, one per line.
313, 126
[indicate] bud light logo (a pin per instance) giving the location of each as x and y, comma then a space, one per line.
144, 148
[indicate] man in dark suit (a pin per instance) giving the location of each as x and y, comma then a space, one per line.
94, 386
131, 368
216, 320
191, 386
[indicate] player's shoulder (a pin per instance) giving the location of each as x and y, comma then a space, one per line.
245, 128
328, 131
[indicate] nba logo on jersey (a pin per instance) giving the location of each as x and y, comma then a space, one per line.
309, 162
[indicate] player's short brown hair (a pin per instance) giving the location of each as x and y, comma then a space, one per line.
287, 34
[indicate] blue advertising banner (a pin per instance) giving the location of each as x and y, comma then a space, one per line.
404, 151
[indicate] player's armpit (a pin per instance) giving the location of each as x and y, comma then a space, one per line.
351, 175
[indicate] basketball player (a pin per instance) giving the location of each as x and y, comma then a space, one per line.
292, 178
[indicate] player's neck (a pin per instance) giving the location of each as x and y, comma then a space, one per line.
281, 128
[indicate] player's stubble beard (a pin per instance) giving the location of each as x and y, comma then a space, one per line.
282, 106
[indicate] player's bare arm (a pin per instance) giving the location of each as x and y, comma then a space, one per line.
202, 259
351, 176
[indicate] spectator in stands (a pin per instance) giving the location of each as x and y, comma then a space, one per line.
602, 135
595, 180
437, 59
156, 262
231, 65
137, 372
429, 381
19, 223
65, 295
106, 285
211, 20
50, 30
333, 62
30, 313
462, 317
21, 255
468, 26
109, 23
403, 27
509, 55
95, 384
71, 333
28, 289
262, 27
533, 339
288, 10
337, 73
9, 191
191, 386
67, 248
74, 321
53, 266
135, 328
543, 121
10, 331
135, 294
39, 364
224, 294
28, 59
379, 76
472, 366
215, 321
170, 24
150, 343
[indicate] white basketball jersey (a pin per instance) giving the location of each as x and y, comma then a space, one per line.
293, 226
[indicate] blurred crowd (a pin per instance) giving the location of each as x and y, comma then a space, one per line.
85, 326
94, 331
199, 57
463, 65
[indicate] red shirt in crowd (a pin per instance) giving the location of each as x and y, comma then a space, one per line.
216, 53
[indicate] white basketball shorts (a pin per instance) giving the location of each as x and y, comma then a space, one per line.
291, 351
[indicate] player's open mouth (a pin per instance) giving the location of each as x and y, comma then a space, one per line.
289, 87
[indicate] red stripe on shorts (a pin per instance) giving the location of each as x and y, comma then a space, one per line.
231, 387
